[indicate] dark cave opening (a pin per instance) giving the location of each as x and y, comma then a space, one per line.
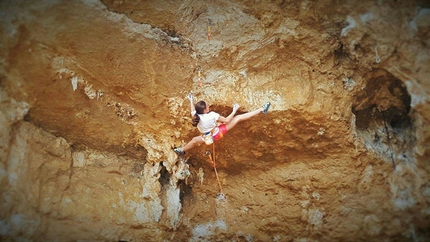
385, 94
383, 116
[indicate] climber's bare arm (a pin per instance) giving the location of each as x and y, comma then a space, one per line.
230, 116
191, 99
222, 119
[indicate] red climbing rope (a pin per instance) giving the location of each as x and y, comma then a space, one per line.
214, 165
212, 158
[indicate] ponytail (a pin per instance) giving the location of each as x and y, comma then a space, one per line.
200, 108
196, 120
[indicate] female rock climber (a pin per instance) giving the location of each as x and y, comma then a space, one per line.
207, 121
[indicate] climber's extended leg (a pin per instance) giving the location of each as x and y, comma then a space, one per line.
178, 150
245, 116
195, 141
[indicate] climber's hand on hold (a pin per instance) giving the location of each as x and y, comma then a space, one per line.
190, 97
235, 107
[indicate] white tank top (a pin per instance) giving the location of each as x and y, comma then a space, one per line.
207, 122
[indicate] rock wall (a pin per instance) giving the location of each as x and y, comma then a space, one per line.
92, 97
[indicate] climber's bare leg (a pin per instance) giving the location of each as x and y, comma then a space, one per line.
242, 117
195, 141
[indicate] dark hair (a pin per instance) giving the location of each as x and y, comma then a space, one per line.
200, 108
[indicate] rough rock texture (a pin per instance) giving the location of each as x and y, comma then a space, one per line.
92, 100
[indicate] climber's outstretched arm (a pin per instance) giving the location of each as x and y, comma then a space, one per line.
192, 108
230, 116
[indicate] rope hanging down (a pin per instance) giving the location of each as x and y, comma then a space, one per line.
212, 159
214, 165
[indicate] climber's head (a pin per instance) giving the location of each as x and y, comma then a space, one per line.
201, 107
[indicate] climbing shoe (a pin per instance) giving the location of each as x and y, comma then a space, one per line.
266, 107
179, 151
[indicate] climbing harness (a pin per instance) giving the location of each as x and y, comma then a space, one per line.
215, 134
221, 195
207, 137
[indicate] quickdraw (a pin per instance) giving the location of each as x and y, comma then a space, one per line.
199, 79
209, 29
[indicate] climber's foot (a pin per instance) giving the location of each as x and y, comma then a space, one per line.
179, 151
266, 107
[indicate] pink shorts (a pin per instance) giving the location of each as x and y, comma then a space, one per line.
222, 130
